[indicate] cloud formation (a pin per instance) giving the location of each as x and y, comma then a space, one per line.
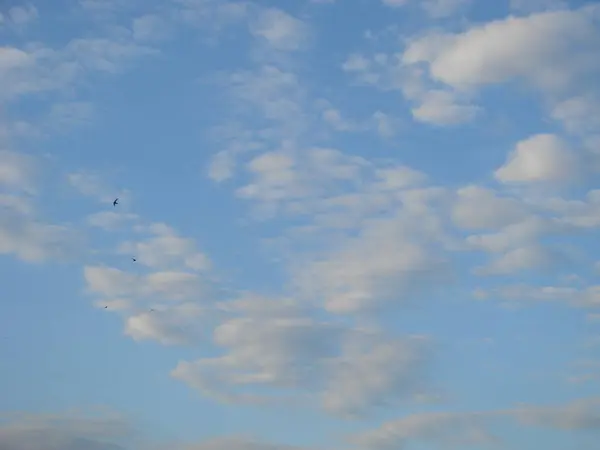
328, 220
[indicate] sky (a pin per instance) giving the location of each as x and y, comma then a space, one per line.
341, 225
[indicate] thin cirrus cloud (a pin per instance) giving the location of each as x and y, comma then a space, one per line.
327, 222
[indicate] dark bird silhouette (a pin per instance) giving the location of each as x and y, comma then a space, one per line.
133, 259
106, 307
116, 202
151, 310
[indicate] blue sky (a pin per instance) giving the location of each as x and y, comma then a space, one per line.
356, 224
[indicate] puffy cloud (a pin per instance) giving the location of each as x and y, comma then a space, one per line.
543, 157
549, 49
282, 352
439, 107
274, 351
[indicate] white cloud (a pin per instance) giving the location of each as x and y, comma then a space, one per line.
110, 220
280, 30
289, 354
474, 428
385, 125
22, 233
401, 177
284, 176
106, 55
540, 158
441, 108
478, 208
523, 258
166, 249
17, 171
155, 288
518, 234
430, 104
16, 204
149, 28
548, 49
275, 94
379, 233
221, 166
388, 262
375, 373
37, 68
177, 325
584, 213
580, 114
35, 241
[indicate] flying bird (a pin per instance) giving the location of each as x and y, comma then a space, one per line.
133, 259
106, 307
116, 202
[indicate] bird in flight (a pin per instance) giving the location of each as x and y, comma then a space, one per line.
133, 259
116, 202
106, 307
